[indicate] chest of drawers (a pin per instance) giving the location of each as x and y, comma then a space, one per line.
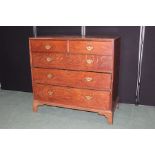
76, 72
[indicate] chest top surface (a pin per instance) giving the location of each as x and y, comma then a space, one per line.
99, 38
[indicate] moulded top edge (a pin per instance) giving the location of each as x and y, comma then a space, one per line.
105, 38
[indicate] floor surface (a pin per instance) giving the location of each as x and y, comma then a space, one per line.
16, 113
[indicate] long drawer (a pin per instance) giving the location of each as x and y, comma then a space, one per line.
72, 96
73, 62
78, 79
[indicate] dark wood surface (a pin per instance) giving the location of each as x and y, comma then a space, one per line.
73, 62
75, 72
48, 45
79, 79
78, 38
72, 96
91, 47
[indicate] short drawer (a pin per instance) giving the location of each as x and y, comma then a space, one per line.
91, 47
72, 96
48, 45
73, 62
78, 79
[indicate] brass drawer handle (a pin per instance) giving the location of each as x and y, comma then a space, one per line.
50, 93
88, 79
89, 61
89, 48
88, 97
48, 59
47, 47
49, 76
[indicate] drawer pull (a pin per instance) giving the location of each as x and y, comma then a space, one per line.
48, 59
89, 61
50, 93
88, 79
89, 48
49, 76
47, 47
88, 97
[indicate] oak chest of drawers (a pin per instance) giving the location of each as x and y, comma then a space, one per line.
76, 72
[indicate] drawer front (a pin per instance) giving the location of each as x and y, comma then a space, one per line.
73, 62
91, 47
72, 96
48, 45
78, 79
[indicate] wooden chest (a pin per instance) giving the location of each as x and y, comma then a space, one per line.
76, 72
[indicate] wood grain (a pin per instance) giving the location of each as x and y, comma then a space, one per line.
73, 62
76, 72
78, 79
72, 96
48, 45
91, 47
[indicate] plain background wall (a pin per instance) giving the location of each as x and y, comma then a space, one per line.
15, 56
58, 30
147, 91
